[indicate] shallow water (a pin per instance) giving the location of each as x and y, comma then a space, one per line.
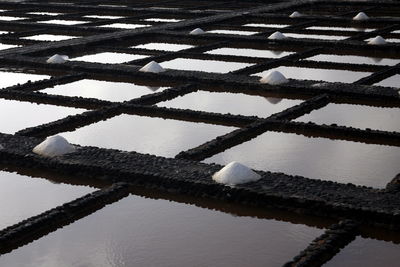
317, 158
104, 90
327, 75
109, 57
162, 20
232, 32
339, 28
103, 17
45, 13
163, 46
7, 46
10, 18
124, 26
203, 65
367, 252
13, 78
137, 231
49, 37
162, 137
16, 115
22, 197
63, 22
266, 25
355, 59
393, 81
238, 103
315, 36
249, 52
385, 119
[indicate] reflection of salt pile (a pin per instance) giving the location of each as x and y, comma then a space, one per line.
54, 146
361, 16
153, 88
378, 40
1, 147
57, 59
273, 100
274, 78
153, 67
295, 15
276, 52
235, 173
277, 36
376, 59
197, 31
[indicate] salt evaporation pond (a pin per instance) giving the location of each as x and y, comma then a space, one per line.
109, 57
249, 52
393, 81
163, 46
104, 90
354, 59
22, 197
143, 134
138, 231
203, 65
18, 115
13, 78
49, 37
62, 22
317, 158
234, 103
377, 118
124, 26
232, 32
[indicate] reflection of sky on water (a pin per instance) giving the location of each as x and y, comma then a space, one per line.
137, 231
203, 65
355, 59
13, 78
146, 135
393, 81
249, 52
318, 158
163, 46
109, 57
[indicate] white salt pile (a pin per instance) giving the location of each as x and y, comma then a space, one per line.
273, 100
197, 31
378, 40
153, 67
295, 15
57, 59
235, 173
274, 78
361, 16
54, 146
277, 36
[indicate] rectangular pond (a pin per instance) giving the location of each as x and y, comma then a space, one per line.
203, 65
355, 59
108, 57
22, 197
232, 32
317, 158
393, 81
163, 46
63, 22
138, 231
249, 52
234, 103
124, 26
13, 78
162, 137
49, 37
104, 90
17, 115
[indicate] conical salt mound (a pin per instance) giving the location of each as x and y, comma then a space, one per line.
361, 16
295, 15
54, 146
273, 100
277, 36
235, 173
57, 59
153, 67
378, 40
274, 78
197, 31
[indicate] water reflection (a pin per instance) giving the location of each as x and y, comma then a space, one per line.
109, 57
203, 65
393, 81
49, 37
315, 36
163, 20
6, 18
146, 232
62, 22
274, 100
103, 17
343, 76
339, 28
7, 46
318, 158
163, 46
232, 32
385, 119
249, 52
367, 253
16, 115
13, 78
143, 134
354, 59
111, 91
266, 25
124, 26
234, 103
22, 197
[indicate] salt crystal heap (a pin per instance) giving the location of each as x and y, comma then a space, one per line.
378, 40
277, 36
197, 31
274, 78
295, 15
54, 146
58, 59
361, 16
153, 67
235, 173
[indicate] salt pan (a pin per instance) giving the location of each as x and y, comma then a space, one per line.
361, 16
277, 36
57, 59
197, 31
54, 146
274, 78
235, 173
153, 67
295, 15
378, 40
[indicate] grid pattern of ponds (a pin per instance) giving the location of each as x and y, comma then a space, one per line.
163, 135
